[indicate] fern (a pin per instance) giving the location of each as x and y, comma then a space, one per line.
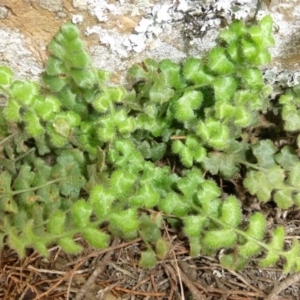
79, 153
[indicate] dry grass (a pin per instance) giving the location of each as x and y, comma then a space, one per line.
114, 273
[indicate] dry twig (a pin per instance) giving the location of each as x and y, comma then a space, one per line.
96, 272
283, 285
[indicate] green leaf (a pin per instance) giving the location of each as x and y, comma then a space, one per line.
276, 245
195, 246
253, 77
158, 151
149, 229
264, 152
117, 94
55, 66
160, 92
283, 199
291, 116
69, 245
146, 197
177, 146
70, 31
125, 220
228, 35
162, 248
101, 200
193, 70
260, 38
71, 47
122, 181
249, 49
207, 192
220, 138
78, 60
171, 73
55, 83
96, 238
33, 127
275, 176
148, 259
257, 225
12, 111
231, 212
56, 49
189, 184
294, 178
8, 204
292, 258
84, 78
6, 75
151, 65
224, 110
81, 213
223, 238
287, 158
224, 163
249, 249
234, 52
233, 262
56, 222
137, 71
186, 157
263, 57
271, 258
193, 225
24, 91
173, 203
262, 35
242, 117
257, 184
185, 105
46, 108
15, 242
102, 103
219, 62
224, 88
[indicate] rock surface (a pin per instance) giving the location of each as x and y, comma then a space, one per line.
121, 33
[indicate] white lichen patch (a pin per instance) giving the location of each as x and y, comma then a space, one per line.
13, 52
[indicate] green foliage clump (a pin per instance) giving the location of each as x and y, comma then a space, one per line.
78, 154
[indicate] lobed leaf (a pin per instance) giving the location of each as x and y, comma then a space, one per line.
257, 184
148, 259
56, 223
6, 75
126, 220
194, 225
223, 238
81, 213
101, 200
195, 71
264, 152
224, 88
231, 212
283, 199
219, 62
69, 245
96, 238
161, 248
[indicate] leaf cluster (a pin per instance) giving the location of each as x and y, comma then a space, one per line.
81, 156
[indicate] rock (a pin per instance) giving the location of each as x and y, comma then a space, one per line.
121, 33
